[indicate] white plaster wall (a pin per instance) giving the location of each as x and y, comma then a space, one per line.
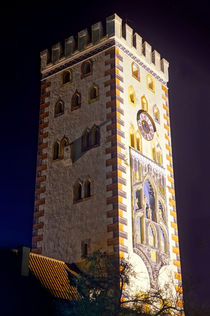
67, 224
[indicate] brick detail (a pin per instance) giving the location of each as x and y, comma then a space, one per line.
115, 113
43, 115
178, 276
40, 190
38, 226
41, 168
37, 238
43, 125
44, 135
37, 250
45, 85
41, 179
39, 202
42, 156
42, 146
38, 213
44, 105
164, 89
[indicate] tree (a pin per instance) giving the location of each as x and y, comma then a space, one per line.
102, 281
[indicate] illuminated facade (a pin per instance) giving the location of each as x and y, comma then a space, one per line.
105, 172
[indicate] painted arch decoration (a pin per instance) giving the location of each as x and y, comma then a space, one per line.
149, 213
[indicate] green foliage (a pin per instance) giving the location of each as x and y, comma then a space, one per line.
101, 283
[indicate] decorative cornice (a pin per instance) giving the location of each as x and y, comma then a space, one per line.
96, 51
144, 160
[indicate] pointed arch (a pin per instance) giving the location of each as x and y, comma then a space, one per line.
88, 188
64, 142
150, 196
152, 236
93, 94
56, 150
131, 96
86, 140
76, 101
95, 136
59, 108
77, 191
144, 103
132, 140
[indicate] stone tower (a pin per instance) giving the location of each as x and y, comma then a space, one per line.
104, 165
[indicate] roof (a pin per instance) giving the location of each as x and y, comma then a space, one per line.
53, 275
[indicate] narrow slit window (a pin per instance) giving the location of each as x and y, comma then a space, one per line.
56, 151
77, 192
87, 188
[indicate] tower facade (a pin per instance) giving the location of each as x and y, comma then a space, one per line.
104, 165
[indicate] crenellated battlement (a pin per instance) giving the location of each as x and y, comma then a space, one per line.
115, 29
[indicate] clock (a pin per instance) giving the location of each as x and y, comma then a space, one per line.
146, 125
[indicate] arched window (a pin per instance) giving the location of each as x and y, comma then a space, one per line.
150, 83
131, 95
156, 113
139, 173
158, 154
56, 150
132, 136
64, 142
93, 93
153, 152
66, 77
77, 192
163, 245
149, 200
86, 140
144, 103
95, 136
151, 236
86, 68
140, 229
76, 101
138, 141
59, 108
87, 189
135, 71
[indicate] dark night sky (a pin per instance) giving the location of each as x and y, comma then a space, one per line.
180, 32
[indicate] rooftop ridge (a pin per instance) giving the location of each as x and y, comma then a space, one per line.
114, 29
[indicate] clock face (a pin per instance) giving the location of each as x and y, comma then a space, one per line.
146, 125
